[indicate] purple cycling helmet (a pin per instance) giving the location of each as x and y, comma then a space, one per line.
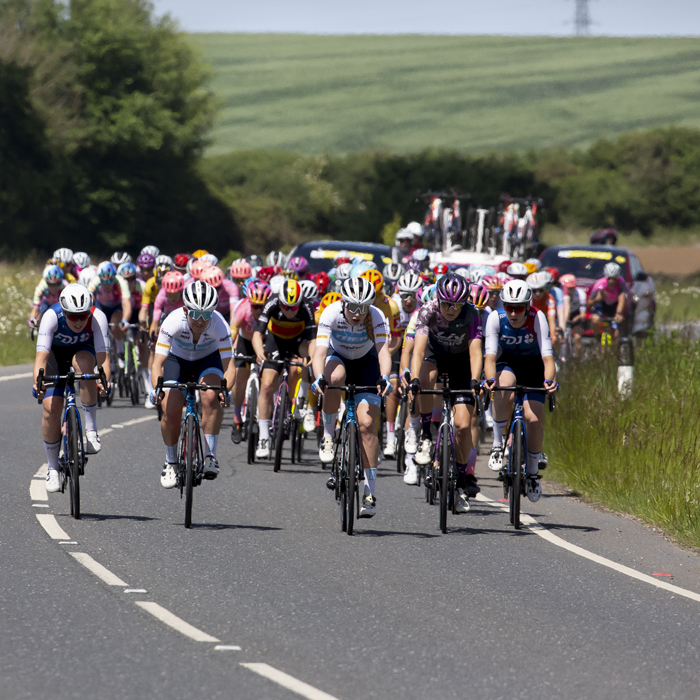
146, 260
298, 264
413, 264
452, 288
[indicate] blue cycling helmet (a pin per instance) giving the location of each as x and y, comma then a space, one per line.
106, 271
52, 274
127, 270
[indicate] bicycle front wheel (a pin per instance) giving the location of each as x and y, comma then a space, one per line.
252, 424
352, 482
281, 416
400, 434
445, 459
517, 456
74, 461
190, 458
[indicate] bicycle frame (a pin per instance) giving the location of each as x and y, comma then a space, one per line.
284, 427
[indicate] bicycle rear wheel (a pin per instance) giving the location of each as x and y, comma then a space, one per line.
516, 470
190, 448
74, 461
134, 389
294, 437
252, 424
352, 483
280, 417
340, 469
400, 433
445, 460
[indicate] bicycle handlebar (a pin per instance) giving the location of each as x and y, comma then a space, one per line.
189, 386
44, 380
528, 389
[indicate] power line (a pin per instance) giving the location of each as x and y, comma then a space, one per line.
582, 18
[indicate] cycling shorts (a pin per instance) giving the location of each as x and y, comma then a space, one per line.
135, 314
577, 322
363, 371
109, 310
243, 347
605, 310
528, 371
179, 370
460, 372
59, 362
280, 348
395, 365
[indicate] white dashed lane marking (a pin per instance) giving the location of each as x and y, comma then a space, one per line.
53, 529
37, 490
176, 622
24, 375
289, 682
96, 568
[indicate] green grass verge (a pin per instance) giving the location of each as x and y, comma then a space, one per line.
315, 94
17, 282
677, 301
639, 456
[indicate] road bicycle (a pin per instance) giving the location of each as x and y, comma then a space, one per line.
249, 411
441, 475
519, 233
514, 474
284, 426
442, 223
401, 430
190, 466
478, 232
347, 472
73, 460
128, 379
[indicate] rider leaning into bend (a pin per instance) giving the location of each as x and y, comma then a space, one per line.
194, 345
352, 348
519, 350
448, 341
72, 333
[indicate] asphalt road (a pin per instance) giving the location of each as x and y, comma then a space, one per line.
397, 611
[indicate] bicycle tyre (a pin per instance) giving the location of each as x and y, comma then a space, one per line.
294, 436
189, 468
400, 436
352, 484
135, 390
516, 474
252, 424
444, 476
279, 427
341, 485
74, 461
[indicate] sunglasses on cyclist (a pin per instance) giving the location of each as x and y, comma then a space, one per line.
357, 308
447, 305
196, 315
514, 309
286, 307
76, 318
407, 295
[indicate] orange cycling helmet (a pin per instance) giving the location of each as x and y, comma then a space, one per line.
173, 282
213, 276
329, 299
479, 295
493, 283
554, 273
375, 278
240, 270
199, 253
198, 267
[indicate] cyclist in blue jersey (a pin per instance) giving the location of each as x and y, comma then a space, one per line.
519, 350
72, 332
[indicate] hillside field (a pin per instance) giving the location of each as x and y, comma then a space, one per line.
337, 94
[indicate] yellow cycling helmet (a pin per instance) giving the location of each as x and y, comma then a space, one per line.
290, 293
531, 267
375, 278
199, 253
160, 271
329, 299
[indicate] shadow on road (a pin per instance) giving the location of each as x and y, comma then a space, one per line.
227, 526
103, 516
391, 533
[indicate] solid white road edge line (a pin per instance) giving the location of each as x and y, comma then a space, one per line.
289, 682
37, 490
53, 529
24, 375
545, 534
96, 568
175, 622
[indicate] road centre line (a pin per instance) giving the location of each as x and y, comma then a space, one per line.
289, 682
53, 529
546, 534
96, 568
175, 622
37, 490
135, 421
24, 375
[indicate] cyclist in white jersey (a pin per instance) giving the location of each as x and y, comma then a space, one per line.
352, 346
194, 344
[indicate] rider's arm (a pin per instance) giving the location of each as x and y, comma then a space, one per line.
100, 335
157, 368
550, 370
126, 299
492, 333
419, 348
229, 371
621, 301
319, 359
384, 359
476, 358
40, 362
258, 345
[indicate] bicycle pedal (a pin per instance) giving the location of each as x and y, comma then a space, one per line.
501, 476
541, 465
330, 484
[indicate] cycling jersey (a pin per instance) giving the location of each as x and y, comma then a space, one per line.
43, 294
150, 292
176, 338
228, 294
351, 342
242, 320
54, 332
136, 294
530, 340
164, 307
404, 316
109, 294
273, 319
448, 337
547, 304
610, 296
391, 310
410, 333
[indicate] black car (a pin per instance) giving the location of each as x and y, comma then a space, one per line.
321, 254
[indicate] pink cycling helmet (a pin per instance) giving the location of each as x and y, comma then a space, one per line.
241, 270
479, 295
258, 292
198, 267
213, 276
173, 282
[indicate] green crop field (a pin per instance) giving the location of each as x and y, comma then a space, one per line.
337, 94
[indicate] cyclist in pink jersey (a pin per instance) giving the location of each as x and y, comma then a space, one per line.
167, 301
607, 298
228, 292
111, 295
244, 319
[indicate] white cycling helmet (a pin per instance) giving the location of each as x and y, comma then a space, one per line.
612, 269
358, 290
65, 255
119, 258
342, 272
309, 290
410, 282
164, 260
403, 234
477, 274
536, 262
276, 283
75, 299
200, 296
211, 258
464, 272
517, 269
82, 260
276, 259
150, 250
421, 254
393, 271
86, 274
415, 229
516, 292
539, 280
342, 254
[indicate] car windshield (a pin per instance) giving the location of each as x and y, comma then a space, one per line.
322, 257
582, 263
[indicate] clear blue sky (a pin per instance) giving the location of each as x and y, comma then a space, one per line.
555, 17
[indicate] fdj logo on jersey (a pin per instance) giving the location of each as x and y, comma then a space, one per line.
62, 339
518, 340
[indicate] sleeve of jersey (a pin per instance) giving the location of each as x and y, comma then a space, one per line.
38, 292
158, 305
493, 327
394, 320
542, 333
225, 340
47, 328
325, 326
124, 288
165, 336
310, 323
100, 331
381, 327
232, 290
93, 284
265, 316
423, 320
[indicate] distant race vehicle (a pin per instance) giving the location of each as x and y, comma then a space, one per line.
321, 254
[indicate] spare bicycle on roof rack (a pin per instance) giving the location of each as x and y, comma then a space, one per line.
517, 229
442, 224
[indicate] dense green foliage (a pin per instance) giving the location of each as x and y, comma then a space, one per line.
639, 456
342, 94
103, 117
